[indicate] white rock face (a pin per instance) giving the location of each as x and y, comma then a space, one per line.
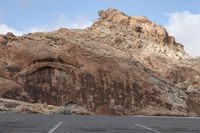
135, 34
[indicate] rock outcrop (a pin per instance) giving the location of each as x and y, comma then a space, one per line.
13, 106
121, 65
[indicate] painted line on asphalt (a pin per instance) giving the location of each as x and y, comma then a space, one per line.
147, 128
55, 127
173, 117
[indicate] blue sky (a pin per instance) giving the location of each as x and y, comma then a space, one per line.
26, 13
21, 16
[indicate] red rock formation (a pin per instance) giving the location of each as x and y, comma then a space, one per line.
118, 66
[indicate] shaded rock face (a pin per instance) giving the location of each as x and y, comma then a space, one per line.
121, 65
46, 81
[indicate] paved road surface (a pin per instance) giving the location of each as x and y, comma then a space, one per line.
35, 123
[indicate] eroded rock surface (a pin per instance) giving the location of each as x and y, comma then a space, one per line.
121, 65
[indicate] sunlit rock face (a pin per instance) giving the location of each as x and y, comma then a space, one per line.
121, 65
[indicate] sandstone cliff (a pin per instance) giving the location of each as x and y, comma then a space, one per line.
121, 65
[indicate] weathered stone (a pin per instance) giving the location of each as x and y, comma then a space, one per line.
121, 65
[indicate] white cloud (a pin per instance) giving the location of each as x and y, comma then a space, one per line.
5, 28
185, 26
81, 24
59, 22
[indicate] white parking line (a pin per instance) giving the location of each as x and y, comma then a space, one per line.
54, 128
147, 128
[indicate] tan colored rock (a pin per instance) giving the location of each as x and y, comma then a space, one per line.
113, 23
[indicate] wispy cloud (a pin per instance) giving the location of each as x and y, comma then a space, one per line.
185, 26
59, 22
5, 28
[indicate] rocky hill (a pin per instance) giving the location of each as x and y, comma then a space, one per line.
121, 65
